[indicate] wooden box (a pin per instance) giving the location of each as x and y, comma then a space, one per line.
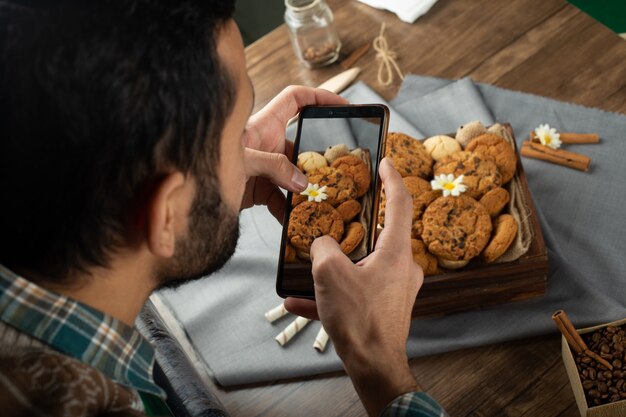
479, 284
616, 409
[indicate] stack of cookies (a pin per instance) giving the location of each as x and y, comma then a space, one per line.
346, 178
449, 231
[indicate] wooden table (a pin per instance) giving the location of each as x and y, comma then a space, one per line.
544, 47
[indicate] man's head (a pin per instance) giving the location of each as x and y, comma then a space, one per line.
112, 121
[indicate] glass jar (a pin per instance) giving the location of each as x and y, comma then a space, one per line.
313, 36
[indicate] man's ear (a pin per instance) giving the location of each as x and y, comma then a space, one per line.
165, 209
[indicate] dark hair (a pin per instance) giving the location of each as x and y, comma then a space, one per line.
98, 100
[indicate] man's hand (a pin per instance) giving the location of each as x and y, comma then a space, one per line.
268, 153
366, 308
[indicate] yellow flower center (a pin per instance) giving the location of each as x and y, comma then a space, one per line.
313, 193
449, 186
547, 139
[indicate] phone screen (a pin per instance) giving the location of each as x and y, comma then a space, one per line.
338, 149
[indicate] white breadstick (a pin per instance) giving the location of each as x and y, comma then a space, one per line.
291, 330
320, 340
276, 313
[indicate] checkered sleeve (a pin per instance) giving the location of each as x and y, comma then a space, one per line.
414, 404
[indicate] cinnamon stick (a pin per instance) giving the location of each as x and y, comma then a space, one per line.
570, 137
574, 340
355, 56
556, 156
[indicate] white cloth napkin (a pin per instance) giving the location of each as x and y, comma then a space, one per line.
407, 10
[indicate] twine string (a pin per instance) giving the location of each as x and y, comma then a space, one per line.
387, 59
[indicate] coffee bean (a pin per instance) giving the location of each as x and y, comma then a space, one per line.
600, 384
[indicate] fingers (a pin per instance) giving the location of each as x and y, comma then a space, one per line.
276, 167
399, 209
289, 101
302, 307
327, 259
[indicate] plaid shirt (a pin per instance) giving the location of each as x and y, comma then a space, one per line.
77, 330
414, 404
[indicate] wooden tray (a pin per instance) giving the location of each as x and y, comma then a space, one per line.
479, 284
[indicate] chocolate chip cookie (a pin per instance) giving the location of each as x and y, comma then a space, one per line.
408, 155
339, 186
480, 172
356, 168
310, 220
499, 149
456, 228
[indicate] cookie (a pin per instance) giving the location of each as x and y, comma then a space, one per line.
408, 155
499, 149
448, 264
421, 193
354, 167
352, 238
360, 153
297, 198
336, 151
310, 220
423, 258
495, 200
441, 146
290, 254
348, 210
468, 131
480, 172
339, 186
419, 206
456, 228
310, 161
497, 129
505, 232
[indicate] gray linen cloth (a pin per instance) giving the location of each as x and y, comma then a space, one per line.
582, 216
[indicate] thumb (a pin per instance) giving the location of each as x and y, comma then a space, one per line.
276, 167
327, 260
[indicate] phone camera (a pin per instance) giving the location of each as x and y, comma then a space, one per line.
330, 112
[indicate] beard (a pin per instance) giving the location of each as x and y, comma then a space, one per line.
210, 241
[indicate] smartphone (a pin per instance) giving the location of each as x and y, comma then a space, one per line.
339, 149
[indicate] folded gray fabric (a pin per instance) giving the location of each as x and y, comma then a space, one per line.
580, 213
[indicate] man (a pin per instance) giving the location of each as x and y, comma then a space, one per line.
127, 150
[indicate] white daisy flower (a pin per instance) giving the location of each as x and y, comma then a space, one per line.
315, 193
548, 136
449, 185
